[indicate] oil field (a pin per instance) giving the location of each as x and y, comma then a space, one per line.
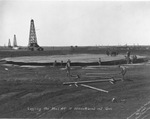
70, 77
106, 82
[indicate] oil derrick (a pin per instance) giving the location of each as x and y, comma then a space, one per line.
15, 41
9, 43
33, 45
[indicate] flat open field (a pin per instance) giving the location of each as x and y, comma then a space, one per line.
29, 92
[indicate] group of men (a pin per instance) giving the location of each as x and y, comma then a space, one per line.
123, 68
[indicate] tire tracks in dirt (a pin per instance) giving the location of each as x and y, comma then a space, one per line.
71, 102
18, 95
141, 113
34, 101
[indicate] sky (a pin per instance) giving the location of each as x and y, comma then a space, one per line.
71, 23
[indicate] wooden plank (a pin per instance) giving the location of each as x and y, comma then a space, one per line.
101, 73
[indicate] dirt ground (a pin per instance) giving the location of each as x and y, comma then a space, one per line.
27, 92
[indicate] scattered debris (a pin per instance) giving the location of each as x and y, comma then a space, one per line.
114, 100
6, 69
123, 100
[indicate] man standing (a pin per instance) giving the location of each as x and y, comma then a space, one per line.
61, 62
55, 62
128, 57
99, 61
68, 67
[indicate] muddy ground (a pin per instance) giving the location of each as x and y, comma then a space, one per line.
27, 92
39, 93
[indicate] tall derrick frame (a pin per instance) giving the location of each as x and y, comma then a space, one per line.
33, 45
15, 41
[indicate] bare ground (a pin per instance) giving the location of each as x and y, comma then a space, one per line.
39, 93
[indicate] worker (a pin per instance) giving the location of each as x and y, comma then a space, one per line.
55, 62
99, 61
133, 59
123, 71
68, 67
61, 62
128, 57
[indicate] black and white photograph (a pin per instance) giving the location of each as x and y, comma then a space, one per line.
75, 59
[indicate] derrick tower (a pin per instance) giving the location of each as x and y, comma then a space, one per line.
33, 45
15, 41
9, 43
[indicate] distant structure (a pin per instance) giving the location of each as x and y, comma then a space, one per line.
9, 43
33, 45
15, 41
15, 46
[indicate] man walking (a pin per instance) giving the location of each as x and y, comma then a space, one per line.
123, 71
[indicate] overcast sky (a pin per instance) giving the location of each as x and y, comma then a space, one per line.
82, 23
